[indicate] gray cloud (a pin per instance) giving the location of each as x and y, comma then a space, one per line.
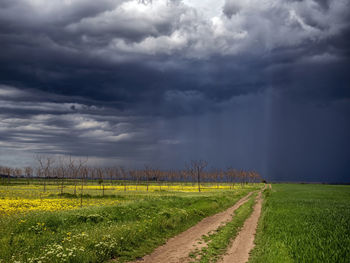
61, 127
130, 50
173, 80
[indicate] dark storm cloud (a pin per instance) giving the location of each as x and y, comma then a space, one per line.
120, 50
110, 78
39, 122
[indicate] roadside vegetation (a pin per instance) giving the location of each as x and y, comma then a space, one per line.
304, 223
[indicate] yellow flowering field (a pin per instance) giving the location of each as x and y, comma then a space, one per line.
11, 206
154, 188
22, 198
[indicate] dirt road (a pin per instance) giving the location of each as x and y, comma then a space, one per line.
177, 249
244, 242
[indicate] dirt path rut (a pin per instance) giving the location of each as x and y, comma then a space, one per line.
176, 249
244, 242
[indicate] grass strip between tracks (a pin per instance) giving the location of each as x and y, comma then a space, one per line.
219, 241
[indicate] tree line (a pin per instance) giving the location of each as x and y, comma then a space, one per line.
77, 171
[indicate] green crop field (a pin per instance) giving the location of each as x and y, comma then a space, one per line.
304, 223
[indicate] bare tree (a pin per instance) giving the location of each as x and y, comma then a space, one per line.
62, 173
148, 173
45, 165
28, 172
2, 173
8, 171
183, 177
195, 169
110, 173
83, 176
116, 173
99, 172
215, 175
17, 172
157, 176
75, 167
124, 174
232, 175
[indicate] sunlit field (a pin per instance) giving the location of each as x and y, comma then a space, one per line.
101, 221
21, 196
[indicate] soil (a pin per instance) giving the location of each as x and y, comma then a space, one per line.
244, 242
177, 249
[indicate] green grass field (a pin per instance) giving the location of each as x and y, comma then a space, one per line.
304, 223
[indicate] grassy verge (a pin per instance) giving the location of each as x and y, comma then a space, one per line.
304, 223
220, 239
96, 234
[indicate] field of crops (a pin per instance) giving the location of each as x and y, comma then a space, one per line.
110, 221
304, 223
125, 221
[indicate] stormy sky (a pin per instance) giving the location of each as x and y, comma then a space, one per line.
252, 84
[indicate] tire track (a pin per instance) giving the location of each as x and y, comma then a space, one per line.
239, 251
177, 249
